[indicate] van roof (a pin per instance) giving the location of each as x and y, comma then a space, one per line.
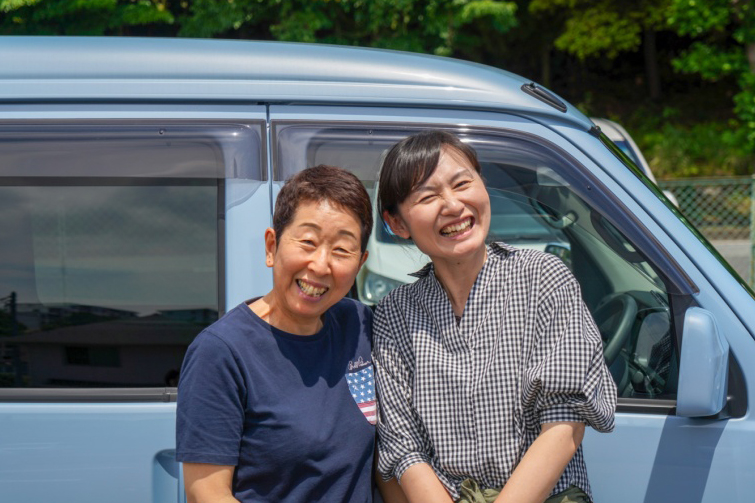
112, 69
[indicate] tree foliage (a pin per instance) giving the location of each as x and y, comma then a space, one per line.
80, 17
431, 26
414, 25
724, 46
602, 54
603, 27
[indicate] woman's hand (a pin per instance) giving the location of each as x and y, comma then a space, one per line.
207, 483
543, 463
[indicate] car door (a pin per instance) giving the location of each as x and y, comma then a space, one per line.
567, 194
118, 224
684, 456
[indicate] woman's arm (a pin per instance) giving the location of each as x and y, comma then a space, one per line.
421, 485
207, 483
542, 465
390, 490
403, 442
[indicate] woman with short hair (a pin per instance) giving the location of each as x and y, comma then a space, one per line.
276, 399
490, 365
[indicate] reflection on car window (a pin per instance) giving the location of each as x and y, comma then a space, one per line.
619, 153
533, 205
109, 263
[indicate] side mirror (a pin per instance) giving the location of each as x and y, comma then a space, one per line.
703, 366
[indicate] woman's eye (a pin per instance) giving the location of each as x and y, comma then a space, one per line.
462, 184
308, 242
345, 250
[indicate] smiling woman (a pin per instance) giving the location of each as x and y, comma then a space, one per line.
490, 365
276, 399
312, 265
318, 242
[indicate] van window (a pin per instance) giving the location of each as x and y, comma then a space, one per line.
539, 199
111, 256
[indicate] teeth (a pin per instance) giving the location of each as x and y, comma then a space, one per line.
455, 229
309, 289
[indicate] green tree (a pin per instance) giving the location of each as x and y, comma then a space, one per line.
608, 28
81, 17
430, 26
446, 27
723, 33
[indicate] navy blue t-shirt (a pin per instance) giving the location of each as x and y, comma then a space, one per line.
294, 414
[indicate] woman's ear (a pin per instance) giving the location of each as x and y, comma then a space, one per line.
364, 258
397, 225
270, 246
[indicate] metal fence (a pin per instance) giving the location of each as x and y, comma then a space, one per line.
723, 210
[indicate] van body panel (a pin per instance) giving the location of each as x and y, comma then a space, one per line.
88, 452
667, 458
245, 247
139, 111
137, 69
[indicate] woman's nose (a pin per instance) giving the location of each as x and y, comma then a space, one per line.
452, 204
320, 264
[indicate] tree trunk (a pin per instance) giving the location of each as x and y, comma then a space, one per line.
545, 65
651, 64
751, 56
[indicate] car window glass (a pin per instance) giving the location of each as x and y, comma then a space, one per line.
538, 203
621, 156
110, 258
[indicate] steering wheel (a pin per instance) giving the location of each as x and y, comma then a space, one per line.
615, 316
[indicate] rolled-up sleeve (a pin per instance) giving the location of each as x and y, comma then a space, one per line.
566, 378
402, 439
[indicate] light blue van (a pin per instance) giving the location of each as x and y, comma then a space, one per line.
137, 178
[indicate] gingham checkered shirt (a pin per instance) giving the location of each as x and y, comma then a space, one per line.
469, 399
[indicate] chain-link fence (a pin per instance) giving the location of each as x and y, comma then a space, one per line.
723, 210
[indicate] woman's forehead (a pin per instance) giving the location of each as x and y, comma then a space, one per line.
455, 154
322, 215
451, 165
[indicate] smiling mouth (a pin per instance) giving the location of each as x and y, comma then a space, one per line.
310, 290
450, 231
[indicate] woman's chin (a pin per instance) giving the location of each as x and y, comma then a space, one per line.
308, 306
458, 249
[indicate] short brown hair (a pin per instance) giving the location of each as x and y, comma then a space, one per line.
412, 161
324, 183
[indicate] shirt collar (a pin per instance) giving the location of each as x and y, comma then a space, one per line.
501, 250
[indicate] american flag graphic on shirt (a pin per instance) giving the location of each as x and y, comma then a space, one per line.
362, 388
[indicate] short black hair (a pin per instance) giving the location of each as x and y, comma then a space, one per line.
324, 183
413, 160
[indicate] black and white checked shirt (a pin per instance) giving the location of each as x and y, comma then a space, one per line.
469, 399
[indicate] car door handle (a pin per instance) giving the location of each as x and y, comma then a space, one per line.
167, 479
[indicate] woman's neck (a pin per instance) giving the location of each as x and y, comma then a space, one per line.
270, 311
457, 276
